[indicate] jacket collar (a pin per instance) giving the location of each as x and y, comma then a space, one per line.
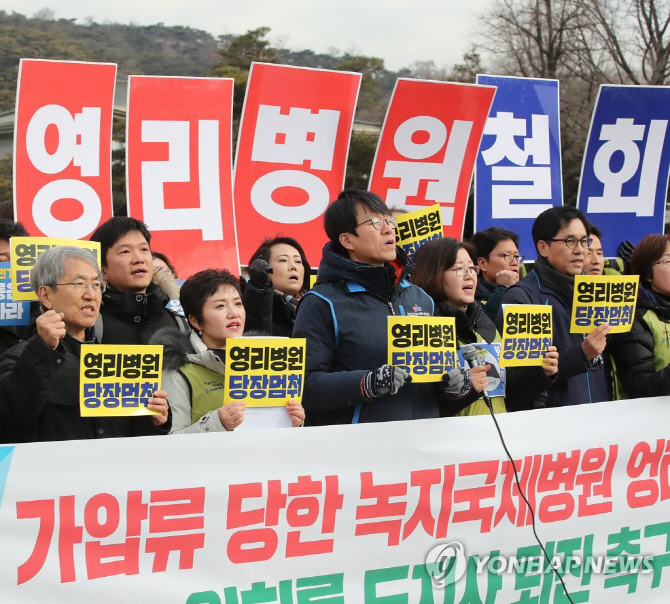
380, 280
562, 285
149, 305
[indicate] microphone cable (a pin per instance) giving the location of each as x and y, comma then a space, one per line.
530, 507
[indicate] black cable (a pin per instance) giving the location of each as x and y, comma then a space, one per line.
530, 507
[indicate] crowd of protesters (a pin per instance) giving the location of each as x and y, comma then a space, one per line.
363, 278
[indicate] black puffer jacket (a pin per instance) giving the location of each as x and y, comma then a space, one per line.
132, 318
641, 356
39, 398
268, 311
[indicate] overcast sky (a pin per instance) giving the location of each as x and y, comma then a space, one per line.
398, 31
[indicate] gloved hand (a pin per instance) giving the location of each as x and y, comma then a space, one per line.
457, 382
385, 380
625, 252
259, 274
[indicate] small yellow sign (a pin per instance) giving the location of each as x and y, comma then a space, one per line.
602, 299
264, 372
415, 228
423, 346
26, 250
118, 380
527, 333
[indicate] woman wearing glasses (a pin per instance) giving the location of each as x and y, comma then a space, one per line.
445, 270
642, 355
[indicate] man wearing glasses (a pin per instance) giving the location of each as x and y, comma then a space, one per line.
562, 239
362, 280
499, 263
39, 378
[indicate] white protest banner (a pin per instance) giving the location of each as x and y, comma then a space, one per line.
350, 514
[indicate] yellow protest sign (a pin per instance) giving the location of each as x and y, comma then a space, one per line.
118, 380
415, 228
423, 346
527, 333
602, 299
264, 372
25, 251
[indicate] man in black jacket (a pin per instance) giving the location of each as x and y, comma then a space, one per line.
133, 307
39, 378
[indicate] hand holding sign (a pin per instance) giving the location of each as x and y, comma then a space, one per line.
51, 328
296, 412
232, 414
550, 364
159, 404
595, 342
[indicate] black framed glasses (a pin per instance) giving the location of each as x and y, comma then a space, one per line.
509, 258
378, 223
98, 287
571, 242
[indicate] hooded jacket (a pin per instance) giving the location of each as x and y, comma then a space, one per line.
132, 318
579, 381
193, 380
344, 319
642, 355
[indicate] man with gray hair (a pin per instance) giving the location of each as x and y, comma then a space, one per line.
39, 377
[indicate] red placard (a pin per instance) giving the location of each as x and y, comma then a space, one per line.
62, 147
428, 146
291, 153
179, 169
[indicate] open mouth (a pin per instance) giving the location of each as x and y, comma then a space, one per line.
88, 309
234, 326
140, 272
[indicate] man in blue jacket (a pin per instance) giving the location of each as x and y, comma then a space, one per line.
562, 239
362, 280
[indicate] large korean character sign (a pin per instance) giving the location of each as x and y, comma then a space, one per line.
519, 162
428, 147
62, 147
179, 158
291, 153
626, 163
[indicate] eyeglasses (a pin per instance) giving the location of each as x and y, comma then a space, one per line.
507, 257
663, 262
378, 223
465, 270
571, 242
98, 287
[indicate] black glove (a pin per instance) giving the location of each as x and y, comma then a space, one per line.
625, 252
259, 274
385, 380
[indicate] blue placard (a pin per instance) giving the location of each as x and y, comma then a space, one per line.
489, 354
11, 313
625, 172
518, 169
